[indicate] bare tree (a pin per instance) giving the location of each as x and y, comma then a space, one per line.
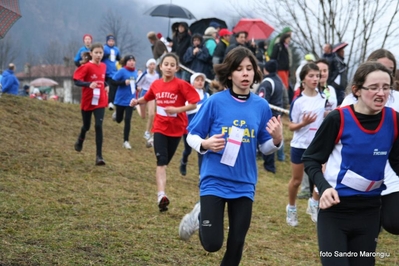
8, 51
365, 25
116, 25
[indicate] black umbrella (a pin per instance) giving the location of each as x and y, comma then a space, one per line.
169, 11
9, 14
200, 26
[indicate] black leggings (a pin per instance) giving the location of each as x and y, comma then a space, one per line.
349, 229
164, 148
98, 126
120, 110
211, 226
390, 213
112, 89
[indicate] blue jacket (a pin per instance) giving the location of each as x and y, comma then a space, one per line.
124, 93
78, 56
9, 82
200, 62
111, 55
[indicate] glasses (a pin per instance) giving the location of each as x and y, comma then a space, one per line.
385, 88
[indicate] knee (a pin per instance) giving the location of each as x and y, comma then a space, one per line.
212, 246
86, 128
98, 127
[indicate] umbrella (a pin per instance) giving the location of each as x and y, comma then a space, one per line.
9, 14
43, 82
200, 26
256, 28
169, 11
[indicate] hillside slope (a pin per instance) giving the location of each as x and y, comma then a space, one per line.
58, 208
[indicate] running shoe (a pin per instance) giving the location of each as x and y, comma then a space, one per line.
312, 210
190, 223
292, 217
163, 204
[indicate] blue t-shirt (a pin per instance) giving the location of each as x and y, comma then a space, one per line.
217, 115
124, 94
78, 56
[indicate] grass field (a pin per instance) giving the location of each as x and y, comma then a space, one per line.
58, 208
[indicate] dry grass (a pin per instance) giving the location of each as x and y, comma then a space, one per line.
57, 208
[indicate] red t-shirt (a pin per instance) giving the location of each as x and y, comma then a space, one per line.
91, 72
173, 93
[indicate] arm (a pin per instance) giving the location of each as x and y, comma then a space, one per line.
275, 129
175, 110
188, 56
203, 55
306, 120
81, 83
394, 153
215, 143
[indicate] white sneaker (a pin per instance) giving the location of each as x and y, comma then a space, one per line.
312, 210
111, 106
292, 217
114, 116
150, 142
190, 223
126, 145
147, 135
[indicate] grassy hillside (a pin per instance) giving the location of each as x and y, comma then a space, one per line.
58, 208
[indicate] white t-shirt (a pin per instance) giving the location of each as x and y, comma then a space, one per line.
146, 81
391, 179
305, 105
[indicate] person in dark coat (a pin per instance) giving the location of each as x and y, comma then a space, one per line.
181, 42
281, 54
272, 89
241, 40
197, 57
339, 72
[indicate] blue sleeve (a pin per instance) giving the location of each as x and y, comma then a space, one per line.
6, 84
201, 123
263, 135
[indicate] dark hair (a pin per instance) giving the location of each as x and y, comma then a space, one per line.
175, 56
284, 36
304, 71
241, 32
382, 53
86, 57
231, 62
363, 71
126, 58
323, 61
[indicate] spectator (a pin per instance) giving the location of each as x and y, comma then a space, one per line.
197, 57
282, 53
87, 39
274, 41
9, 82
241, 40
210, 39
327, 52
157, 46
167, 43
111, 56
181, 42
221, 47
26, 90
339, 72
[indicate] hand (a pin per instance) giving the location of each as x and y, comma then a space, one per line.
93, 85
170, 110
308, 118
329, 198
106, 89
195, 50
133, 102
275, 129
215, 143
127, 82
